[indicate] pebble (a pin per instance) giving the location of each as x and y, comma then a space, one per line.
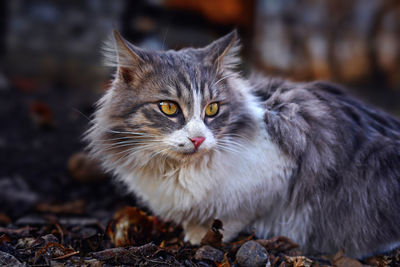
252, 254
50, 238
9, 260
209, 253
16, 197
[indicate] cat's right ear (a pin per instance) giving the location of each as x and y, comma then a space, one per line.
119, 53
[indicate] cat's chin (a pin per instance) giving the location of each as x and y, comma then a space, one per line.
188, 155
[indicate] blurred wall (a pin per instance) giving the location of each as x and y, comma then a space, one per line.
58, 40
348, 41
354, 42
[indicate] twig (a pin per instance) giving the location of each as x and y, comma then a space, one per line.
66, 255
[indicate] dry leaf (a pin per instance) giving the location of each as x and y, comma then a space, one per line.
213, 237
130, 226
224, 263
299, 261
339, 260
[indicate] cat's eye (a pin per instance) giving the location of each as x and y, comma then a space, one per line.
168, 107
212, 109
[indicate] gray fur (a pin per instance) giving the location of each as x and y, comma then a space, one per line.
346, 154
348, 157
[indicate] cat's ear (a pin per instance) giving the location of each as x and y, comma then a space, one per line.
119, 53
223, 53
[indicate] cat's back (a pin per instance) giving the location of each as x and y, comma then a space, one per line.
360, 115
326, 96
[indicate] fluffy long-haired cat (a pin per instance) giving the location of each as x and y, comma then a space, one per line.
195, 141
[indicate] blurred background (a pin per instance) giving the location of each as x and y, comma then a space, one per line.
51, 75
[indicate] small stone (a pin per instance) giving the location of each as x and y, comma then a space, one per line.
9, 249
9, 260
209, 253
252, 254
16, 197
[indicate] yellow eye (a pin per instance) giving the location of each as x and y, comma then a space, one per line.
212, 109
168, 107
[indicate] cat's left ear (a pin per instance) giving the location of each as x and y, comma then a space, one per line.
223, 53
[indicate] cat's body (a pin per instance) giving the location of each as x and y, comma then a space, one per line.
301, 160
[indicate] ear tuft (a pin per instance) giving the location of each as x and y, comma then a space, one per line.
223, 53
118, 52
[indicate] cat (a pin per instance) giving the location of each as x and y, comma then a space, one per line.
195, 140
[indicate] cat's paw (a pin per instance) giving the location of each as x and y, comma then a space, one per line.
194, 234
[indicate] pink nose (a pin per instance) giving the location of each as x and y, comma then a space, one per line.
197, 141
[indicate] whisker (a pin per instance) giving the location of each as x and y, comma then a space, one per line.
131, 152
133, 141
227, 148
119, 146
231, 142
158, 153
97, 125
143, 147
223, 78
235, 135
81, 113
234, 141
232, 149
111, 139
123, 132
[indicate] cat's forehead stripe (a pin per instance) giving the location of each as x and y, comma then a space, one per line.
177, 88
184, 81
166, 92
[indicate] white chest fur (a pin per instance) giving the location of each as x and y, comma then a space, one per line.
247, 187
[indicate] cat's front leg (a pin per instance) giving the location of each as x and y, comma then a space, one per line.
231, 228
194, 232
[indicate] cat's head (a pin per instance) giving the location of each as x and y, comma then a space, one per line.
178, 105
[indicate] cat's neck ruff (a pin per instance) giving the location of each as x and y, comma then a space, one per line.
216, 184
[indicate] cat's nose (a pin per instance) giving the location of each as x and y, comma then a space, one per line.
197, 141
